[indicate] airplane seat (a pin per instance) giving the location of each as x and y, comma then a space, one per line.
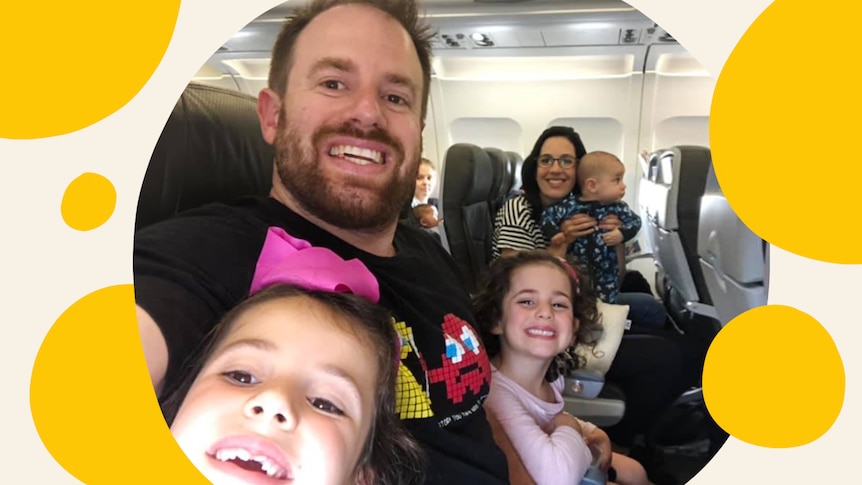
467, 223
210, 150
501, 181
511, 165
586, 394
731, 257
674, 183
515, 162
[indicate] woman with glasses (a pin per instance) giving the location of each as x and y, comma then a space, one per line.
517, 226
548, 177
647, 367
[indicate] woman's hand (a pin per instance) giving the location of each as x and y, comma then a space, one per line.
578, 225
599, 439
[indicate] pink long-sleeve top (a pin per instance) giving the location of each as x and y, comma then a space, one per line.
552, 456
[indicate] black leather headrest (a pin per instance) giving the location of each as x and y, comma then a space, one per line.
467, 176
502, 178
211, 150
515, 163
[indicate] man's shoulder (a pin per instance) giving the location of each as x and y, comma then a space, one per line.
219, 227
214, 216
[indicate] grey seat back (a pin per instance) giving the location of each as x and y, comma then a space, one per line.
467, 179
501, 180
515, 163
210, 150
674, 184
731, 257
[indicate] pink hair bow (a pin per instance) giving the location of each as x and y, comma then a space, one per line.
286, 259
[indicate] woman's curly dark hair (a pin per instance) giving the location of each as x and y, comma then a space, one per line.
529, 183
488, 306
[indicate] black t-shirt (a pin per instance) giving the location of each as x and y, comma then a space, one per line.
192, 269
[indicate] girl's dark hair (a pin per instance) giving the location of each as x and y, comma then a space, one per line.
406, 12
529, 185
390, 455
488, 307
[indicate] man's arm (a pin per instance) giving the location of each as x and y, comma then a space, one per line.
545, 455
155, 347
518, 474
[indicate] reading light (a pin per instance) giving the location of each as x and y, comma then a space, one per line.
481, 39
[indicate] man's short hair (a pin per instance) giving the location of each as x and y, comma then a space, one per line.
406, 12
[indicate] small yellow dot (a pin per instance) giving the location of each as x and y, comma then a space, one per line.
773, 377
88, 202
92, 400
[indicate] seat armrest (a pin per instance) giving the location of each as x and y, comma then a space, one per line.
584, 383
594, 476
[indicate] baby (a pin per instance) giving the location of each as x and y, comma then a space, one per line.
600, 179
427, 215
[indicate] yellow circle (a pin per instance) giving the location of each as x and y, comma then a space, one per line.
92, 400
784, 129
773, 377
88, 202
74, 63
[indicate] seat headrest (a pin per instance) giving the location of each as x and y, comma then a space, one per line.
467, 176
211, 150
502, 177
515, 163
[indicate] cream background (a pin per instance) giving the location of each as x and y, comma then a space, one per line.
46, 266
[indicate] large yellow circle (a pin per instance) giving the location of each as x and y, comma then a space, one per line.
68, 65
92, 400
773, 377
784, 129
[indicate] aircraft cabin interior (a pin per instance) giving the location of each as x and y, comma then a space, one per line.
504, 71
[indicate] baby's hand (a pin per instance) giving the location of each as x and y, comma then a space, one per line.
612, 238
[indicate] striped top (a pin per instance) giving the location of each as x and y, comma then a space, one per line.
515, 229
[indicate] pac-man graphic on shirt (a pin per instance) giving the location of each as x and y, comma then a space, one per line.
465, 363
411, 399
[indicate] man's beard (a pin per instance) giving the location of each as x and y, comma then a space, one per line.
353, 203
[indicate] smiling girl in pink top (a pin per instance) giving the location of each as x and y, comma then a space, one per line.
532, 310
297, 384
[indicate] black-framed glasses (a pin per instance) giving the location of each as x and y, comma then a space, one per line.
565, 161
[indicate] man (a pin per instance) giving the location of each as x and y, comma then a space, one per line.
344, 109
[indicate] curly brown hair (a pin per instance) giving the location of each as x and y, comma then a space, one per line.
488, 306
